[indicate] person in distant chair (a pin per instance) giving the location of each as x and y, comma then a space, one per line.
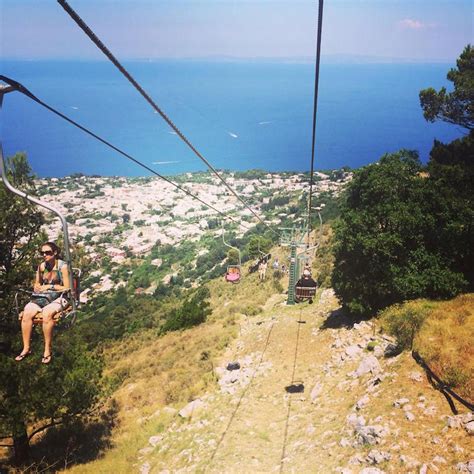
306, 280
51, 281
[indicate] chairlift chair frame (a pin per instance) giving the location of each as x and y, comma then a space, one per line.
69, 312
233, 272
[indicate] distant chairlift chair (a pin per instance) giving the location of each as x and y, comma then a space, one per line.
233, 273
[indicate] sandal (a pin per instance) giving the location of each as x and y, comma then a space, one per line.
46, 359
22, 356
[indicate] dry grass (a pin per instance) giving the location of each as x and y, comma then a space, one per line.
150, 372
444, 339
446, 342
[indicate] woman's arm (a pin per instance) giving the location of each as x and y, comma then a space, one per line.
37, 286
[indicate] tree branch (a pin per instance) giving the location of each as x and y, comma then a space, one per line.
45, 427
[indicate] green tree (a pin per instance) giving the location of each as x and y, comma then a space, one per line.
233, 257
31, 394
258, 245
384, 251
455, 107
194, 311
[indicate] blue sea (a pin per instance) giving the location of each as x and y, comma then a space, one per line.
239, 115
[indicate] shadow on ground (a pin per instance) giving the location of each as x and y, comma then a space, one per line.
338, 319
77, 442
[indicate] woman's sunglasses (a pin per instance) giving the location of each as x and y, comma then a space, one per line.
46, 252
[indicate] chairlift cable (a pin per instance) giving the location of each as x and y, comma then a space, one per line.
315, 109
93, 37
20, 88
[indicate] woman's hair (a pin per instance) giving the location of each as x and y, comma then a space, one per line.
53, 247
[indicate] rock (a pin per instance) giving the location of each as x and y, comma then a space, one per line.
378, 352
391, 350
353, 351
369, 364
362, 402
439, 460
145, 451
409, 416
377, 457
371, 434
233, 366
344, 443
400, 402
154, 440
469, 427
467, 417
355, 421
410, 462
466, 466
317, 389
145, 468
416, 376
407, 407
430, 411
453, 421
191, 407
371, 470
356, 459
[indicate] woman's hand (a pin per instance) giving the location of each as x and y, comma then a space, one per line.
42, 288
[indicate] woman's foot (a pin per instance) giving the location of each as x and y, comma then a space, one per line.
22, 356
46, 359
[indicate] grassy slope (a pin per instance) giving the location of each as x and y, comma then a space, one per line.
173, 369
178, 367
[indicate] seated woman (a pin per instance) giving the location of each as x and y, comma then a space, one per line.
52, 279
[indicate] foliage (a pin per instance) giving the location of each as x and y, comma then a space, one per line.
456, 107
404, 322
193, 311
386, 250
277, 201
258, 246
233, 257
29, 394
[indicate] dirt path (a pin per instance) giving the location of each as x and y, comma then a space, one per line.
299, 404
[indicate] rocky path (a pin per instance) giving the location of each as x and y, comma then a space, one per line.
308, 396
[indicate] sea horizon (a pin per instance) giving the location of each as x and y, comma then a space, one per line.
239, 114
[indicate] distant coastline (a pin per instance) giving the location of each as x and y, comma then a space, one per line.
365, 110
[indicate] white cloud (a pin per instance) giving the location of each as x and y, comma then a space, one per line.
412, 24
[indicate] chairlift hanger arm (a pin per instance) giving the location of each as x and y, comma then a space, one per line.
47, 206
228, 245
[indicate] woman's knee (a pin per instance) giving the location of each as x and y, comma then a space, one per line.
30, 311
48, 314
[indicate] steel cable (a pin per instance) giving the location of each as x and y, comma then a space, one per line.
20, 88
93, 37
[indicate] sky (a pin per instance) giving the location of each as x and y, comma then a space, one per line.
358, 30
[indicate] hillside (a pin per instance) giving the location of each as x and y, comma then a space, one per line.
308, 397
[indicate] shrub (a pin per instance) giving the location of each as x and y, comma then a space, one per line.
194, 311
404, 322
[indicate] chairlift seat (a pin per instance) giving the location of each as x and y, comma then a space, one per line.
66, 311
233, 274
303, 293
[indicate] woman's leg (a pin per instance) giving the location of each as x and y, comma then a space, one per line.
31, 309
48, 325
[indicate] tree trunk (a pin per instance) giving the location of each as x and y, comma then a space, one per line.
21, 446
